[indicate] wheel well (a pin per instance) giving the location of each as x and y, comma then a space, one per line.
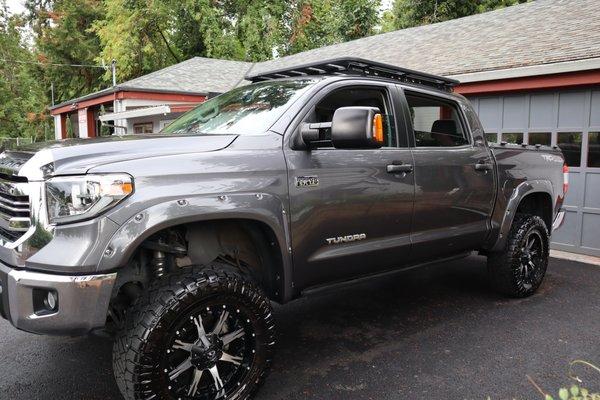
251, 247
539, 204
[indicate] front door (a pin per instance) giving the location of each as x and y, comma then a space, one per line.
454, 178
349, 215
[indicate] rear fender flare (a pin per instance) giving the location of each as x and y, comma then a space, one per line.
522, 190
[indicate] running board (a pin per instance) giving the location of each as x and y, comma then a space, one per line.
363, 278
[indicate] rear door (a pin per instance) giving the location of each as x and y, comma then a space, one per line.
349, 215
454, 178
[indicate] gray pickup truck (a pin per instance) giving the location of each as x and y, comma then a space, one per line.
178, 242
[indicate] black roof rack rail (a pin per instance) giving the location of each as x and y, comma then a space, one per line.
357, 66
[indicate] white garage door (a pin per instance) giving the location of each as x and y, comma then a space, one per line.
571, 120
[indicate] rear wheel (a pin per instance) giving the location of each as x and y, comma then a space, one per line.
519, 270
200, 334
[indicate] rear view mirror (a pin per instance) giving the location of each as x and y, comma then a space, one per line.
357, 128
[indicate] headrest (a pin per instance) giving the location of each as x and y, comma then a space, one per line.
445, 126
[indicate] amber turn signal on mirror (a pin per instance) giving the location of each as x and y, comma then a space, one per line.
378, 128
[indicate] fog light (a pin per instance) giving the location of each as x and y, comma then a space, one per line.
51, 301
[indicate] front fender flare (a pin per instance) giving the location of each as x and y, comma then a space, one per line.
260, 207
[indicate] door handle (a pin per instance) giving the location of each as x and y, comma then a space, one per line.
482, 166
399, 168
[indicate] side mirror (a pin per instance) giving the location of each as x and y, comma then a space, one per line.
357, 128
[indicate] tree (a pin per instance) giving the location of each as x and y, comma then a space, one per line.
144, 36
147, 35
317, 23
357, 18
23, 100
409, 13
62, 36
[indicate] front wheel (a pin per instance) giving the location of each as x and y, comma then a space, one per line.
519, 270
202, 333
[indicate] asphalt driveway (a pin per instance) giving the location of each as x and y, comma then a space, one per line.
435, 333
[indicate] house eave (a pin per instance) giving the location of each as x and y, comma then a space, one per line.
528, 71
117, 89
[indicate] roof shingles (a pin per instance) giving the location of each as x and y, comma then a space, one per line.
539, 32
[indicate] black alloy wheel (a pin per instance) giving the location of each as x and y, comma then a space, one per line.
531, 259
202, 334
209, 363
519, 269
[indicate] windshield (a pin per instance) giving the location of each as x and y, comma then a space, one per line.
246, 110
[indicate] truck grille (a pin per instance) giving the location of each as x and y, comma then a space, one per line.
15, 214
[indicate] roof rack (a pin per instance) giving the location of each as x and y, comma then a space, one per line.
358, 66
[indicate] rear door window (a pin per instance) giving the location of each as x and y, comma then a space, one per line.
435, 122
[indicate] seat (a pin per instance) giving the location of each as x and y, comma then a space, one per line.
445, 133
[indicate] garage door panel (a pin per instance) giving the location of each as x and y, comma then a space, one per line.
541, 111
571, 109
590, 236
489, 114
575, 193
595, 112
514, 113
592, 192
568, 232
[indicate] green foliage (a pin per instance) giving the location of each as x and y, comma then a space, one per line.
144, 36
317, 23
409, 13
574, 393
62, 36
23, 100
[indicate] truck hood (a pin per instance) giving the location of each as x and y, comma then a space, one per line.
77, 156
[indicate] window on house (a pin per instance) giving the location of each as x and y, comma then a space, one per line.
594, 150
435, 122
515, 138
143, 127
570, 144
491, 137
543, 138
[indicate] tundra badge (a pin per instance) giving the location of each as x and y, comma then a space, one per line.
347, 238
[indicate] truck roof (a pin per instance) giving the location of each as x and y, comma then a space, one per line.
358, 67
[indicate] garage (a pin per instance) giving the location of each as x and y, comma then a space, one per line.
569, 119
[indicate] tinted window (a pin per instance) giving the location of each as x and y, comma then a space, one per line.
570, 144
435, 122
543, 138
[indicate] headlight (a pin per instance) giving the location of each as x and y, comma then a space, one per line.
74, 198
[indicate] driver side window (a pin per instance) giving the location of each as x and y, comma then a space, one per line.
351, 97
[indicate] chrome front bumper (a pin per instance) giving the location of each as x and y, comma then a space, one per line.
82, 301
